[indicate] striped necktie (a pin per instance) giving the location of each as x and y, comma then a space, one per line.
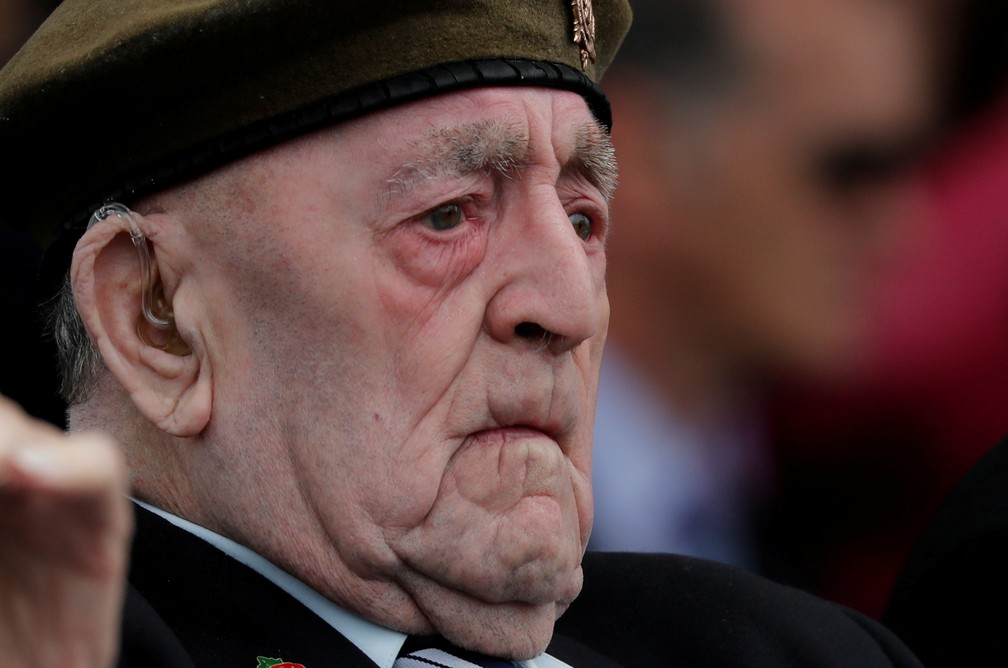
436, 652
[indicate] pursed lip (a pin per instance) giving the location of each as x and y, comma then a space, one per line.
515, 420
517, 463
504, 435
527, 403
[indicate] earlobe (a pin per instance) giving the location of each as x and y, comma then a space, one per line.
161, 369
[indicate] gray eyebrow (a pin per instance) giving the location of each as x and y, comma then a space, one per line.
595, 158
486, 147
481, 147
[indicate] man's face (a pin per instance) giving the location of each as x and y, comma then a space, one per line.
839, 103
408, 313
785, 192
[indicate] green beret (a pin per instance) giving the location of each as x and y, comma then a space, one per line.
114, 99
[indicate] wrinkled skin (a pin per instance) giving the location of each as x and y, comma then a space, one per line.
401, 321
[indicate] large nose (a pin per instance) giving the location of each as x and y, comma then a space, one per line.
549, 283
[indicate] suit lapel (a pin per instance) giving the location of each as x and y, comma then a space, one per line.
578, 655
191, 605
223, 613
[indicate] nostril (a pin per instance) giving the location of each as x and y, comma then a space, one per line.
537, 334
530, 330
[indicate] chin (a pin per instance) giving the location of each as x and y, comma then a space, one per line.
510, 631
513, 630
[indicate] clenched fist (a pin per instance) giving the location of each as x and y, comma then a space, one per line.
65, 526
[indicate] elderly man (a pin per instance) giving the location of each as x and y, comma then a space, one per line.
348, 332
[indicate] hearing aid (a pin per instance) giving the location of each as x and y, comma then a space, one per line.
173, 344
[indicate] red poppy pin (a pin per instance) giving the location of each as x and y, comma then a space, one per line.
265, 662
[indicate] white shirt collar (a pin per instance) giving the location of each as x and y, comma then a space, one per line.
380, 644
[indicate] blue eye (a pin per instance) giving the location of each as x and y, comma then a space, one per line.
445, 217
582, 225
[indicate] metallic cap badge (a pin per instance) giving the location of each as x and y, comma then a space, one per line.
584, 30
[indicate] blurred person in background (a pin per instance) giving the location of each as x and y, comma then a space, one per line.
863, 465
761, 145
948, 601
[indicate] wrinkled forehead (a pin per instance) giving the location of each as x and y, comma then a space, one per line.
492, 130
488, 130
390, 155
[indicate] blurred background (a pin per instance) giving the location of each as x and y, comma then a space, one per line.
808, 276
28, 371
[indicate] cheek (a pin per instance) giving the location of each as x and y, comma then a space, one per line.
589, 359
431, 308
427, 339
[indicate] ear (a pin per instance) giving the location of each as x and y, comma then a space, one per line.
166, 375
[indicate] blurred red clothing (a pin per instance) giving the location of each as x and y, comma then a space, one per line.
943, 322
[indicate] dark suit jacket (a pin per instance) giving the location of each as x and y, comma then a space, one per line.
949, 601
190, 605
